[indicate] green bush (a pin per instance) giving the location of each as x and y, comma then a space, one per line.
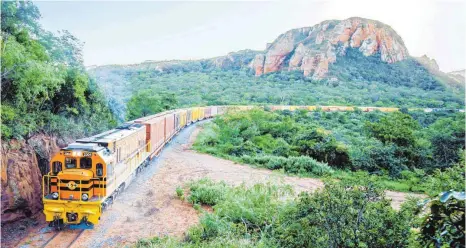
45, 87
303, 165
207, 192
179, 192
276, 163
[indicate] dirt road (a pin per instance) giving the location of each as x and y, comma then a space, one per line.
149, 207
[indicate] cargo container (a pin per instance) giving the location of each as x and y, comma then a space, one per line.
207, 112
202, 113
181, 119
189, 116
169, 125
213, 111
155, 136
195, 114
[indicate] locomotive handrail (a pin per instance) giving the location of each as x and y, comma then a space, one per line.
48, 176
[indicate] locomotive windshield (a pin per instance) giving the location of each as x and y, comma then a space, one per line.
70, 163
85, 163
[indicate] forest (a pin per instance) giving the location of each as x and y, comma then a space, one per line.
45, 87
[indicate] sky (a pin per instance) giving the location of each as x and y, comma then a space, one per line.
124, 32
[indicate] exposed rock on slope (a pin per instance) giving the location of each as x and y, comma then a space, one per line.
428, 63
453, 79
21, 175
311, 49
458, 76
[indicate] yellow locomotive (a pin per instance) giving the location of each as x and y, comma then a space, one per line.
86, 176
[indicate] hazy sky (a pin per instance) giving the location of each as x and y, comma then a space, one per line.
117, 32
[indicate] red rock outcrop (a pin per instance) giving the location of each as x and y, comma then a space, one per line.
21, 177
312, 49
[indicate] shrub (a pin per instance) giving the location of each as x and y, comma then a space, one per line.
449, 179
205, 191
303, 165
276, 163
179, 192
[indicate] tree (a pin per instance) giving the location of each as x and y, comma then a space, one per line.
397, 128
145, 103
44, 84
448, 139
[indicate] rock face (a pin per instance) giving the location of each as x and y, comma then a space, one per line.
458, 76
234, 60
21, 175
454, 79
312, 49
428, 63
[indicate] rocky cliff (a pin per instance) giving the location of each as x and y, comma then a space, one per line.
458, 76
455, 79
22, 163
312, 49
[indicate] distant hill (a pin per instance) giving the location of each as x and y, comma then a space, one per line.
355, 61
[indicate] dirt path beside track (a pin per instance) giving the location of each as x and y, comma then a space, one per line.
150, 208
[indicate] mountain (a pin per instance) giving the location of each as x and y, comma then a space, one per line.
355, 61
312, 49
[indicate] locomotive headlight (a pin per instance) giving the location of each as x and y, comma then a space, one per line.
55, 195
76, 154
85, 197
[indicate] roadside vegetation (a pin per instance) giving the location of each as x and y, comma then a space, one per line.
404, 151
339, 215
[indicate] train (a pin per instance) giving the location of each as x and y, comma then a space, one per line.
86, 177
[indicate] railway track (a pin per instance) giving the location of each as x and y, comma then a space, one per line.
65, 238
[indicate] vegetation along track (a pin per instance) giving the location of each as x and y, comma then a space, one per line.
64, 238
